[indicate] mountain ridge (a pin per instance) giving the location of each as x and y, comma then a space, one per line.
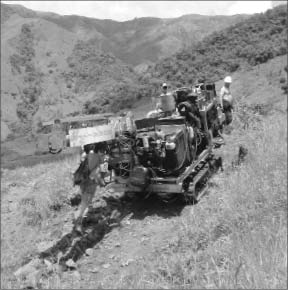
239, 46
48, 71
134, 31
44, 74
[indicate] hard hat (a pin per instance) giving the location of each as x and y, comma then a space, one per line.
228, 80
164, 85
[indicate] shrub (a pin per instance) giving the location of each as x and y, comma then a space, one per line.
282, 80
16, 62
285, 88
73, 114
69, 85
92, 108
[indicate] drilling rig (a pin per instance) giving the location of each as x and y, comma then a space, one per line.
167, 155
172, 155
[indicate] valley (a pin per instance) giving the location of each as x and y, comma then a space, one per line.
54, 66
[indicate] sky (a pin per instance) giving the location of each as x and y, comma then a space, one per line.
127, 10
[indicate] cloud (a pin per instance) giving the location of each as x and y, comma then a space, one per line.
126, 10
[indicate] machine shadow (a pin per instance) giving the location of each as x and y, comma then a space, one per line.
155, 206
101, 220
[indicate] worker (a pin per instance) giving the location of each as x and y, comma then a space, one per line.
91, 178
226, 100
165, 102
191, 112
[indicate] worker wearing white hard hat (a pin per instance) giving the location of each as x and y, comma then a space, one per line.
228, 80
164, 86
226, 100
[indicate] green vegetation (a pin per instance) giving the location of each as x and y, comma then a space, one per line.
120, 96
40, 201
283, 81
237, 236
100, 82
242, 242
23, 62
114, 84
245, 44
89, 67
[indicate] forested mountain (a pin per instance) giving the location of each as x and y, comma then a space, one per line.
137, 41
243, 45
54, 65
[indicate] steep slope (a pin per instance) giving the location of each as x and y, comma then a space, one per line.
28, 65
258, 85
261, 85
58, 65
136, 41
245, 207
55, 65
243, 45
239, 233
46, 71
150, 39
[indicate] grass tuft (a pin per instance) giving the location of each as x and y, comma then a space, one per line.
237, 236
40, 200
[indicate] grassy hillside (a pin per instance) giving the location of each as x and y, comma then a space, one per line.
243, 45
262, 84
38, 199
236, 237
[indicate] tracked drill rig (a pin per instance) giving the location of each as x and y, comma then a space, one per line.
172, 155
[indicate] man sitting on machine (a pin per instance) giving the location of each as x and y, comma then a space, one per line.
164, 104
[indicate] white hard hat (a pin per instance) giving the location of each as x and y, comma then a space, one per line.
228, 80
164, 85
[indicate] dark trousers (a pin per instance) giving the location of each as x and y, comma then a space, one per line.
228, 116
